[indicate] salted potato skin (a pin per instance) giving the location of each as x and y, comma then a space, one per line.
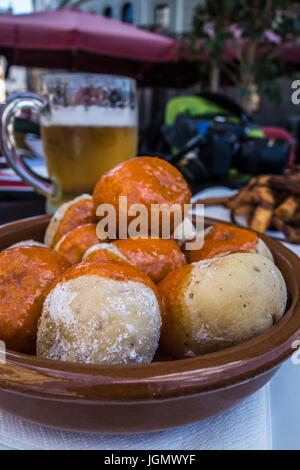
262, 249
74, 244
101, 313
217, 303
105, 252
224, 239
79, 211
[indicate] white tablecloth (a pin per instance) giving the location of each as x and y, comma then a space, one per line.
246, 426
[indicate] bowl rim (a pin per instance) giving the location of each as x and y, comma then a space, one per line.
238, 364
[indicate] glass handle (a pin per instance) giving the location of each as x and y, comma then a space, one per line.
13, 108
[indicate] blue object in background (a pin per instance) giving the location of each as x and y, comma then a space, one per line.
203, 127
128, 13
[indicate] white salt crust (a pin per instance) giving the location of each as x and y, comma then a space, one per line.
209, 271
62, 239
95, 116
58, 216
92, 319
26, 243
105, 246
262, 249
208, 263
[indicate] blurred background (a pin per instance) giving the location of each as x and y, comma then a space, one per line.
214, 91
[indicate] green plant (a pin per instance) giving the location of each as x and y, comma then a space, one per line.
242, 25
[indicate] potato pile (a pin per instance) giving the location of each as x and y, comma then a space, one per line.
79, 298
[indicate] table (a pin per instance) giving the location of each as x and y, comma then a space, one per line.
14, 209
285, 386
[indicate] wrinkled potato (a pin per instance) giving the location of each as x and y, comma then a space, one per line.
220, 302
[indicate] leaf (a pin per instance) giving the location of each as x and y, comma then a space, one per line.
251, 18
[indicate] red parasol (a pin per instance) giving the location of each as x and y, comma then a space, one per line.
78, 40
82, 41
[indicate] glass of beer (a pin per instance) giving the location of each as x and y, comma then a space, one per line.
88, 125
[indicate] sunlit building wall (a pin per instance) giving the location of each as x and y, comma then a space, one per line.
173, 15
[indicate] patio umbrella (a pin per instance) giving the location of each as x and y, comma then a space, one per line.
81, 41
78, 40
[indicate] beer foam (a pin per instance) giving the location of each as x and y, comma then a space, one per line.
95, 116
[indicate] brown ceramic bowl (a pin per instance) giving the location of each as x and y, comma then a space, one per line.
141, 398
